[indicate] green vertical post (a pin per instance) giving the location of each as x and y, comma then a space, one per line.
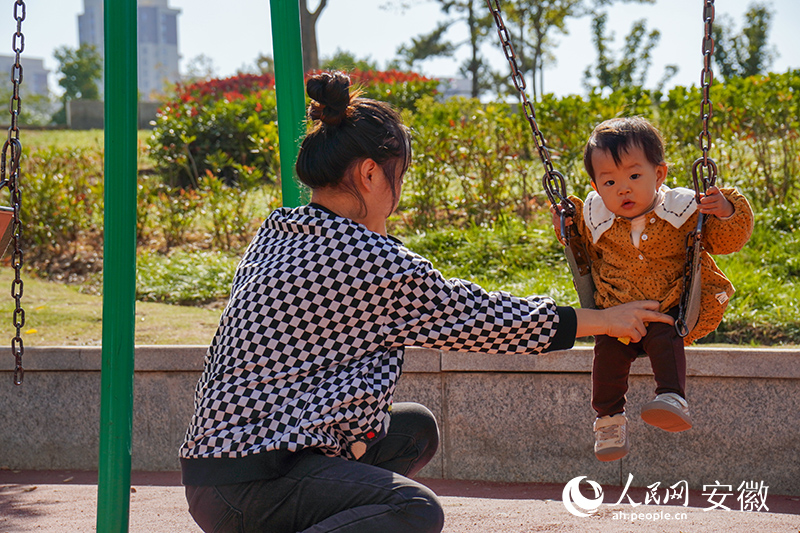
290, 92
119, 266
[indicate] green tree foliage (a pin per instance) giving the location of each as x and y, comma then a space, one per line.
263, 64
347, 61
427, 45
478, 20
746, 53
81, 69
36, 110
534, 25
631, 69
531, 24
200, 68
227, 128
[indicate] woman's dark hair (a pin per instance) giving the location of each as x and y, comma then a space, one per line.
347, 129
617, 135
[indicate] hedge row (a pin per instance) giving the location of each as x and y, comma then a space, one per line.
475, 162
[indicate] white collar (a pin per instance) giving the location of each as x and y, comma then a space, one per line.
673, 205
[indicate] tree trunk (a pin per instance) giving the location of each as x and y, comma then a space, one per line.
474, 65
541, 79
538, 50
537, 68
308, 34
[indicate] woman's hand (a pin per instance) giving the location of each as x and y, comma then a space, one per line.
626, 320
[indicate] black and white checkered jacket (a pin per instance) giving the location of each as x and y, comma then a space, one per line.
310, 345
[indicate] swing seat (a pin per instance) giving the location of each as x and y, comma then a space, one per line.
689, 312
581, 279
584, 286
6, 228
554, 186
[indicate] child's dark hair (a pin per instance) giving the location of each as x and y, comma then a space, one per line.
347, 129
617, 135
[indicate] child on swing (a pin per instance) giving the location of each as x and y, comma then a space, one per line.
635, 229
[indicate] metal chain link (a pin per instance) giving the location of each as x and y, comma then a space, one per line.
10, 176
704, 170
553, 181
704, 175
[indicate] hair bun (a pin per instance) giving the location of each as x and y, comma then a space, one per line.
330, 97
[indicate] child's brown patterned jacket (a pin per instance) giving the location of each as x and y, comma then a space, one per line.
623, 272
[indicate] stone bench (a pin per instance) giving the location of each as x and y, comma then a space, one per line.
502, 418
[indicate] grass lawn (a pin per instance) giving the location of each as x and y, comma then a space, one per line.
59, 315
35, 139
515, 256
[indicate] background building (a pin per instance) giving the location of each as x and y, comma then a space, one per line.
158, 42
34, 75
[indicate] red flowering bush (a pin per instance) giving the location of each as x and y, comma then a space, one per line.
401, 89
227, 126
211, 89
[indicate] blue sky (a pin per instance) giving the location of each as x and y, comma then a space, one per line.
233, 35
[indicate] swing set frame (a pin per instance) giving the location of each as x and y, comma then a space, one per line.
119, 258
704, 174
119, 252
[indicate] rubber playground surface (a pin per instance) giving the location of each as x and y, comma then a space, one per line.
66, 501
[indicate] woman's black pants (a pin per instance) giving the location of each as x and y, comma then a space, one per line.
332, 494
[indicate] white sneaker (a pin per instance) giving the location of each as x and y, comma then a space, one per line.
669, 412
611, 437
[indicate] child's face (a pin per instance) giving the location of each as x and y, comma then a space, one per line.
629, 189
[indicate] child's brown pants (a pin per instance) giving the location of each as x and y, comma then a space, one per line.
612, 364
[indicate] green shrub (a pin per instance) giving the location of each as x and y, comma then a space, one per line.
177, 210
228, 219
62, 199
469, 163
755, 133
234, 120
472, 201
400, 89
567, 122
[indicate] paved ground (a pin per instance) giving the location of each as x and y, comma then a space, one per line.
66, 502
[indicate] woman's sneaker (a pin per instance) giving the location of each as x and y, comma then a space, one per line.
669, 412
611, 437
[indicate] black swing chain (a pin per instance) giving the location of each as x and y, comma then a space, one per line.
704, 169
10, 177
553, 180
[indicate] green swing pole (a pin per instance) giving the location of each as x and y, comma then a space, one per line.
119, 266
289, 91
